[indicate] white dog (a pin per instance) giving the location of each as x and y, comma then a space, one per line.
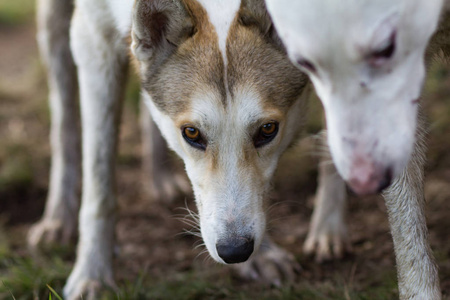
366, 61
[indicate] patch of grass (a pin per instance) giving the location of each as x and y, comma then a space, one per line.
193, 285
43, 277
385, 287
53, 292
25, 277
14, 12
182, 286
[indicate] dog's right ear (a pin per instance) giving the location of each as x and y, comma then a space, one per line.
159, 26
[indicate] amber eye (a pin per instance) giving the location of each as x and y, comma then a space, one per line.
191, 133
193, 137
268, 129
265, 134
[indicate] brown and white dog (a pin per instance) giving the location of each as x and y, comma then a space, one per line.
219, 86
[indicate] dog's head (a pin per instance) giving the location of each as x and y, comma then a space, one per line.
366, 61
227, 99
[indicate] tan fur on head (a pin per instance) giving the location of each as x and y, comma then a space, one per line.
228, 79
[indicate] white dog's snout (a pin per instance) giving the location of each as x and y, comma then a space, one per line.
367, 176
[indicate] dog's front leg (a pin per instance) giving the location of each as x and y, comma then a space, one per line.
59, 222
101, 58
327, 236
416, 269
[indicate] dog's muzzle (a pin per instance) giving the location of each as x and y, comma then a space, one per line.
235, 250
374, 182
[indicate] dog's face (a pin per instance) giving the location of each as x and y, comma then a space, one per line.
227, 100
366, 61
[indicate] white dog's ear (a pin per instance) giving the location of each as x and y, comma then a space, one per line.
159, 26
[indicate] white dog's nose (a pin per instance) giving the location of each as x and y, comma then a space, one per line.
235, 250
369, 178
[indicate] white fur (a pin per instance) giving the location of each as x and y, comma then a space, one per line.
101, 59
221, 15
231, 195
121, 11
230, 187
327, 236
230, 192
362, 105
371, 106
59, 221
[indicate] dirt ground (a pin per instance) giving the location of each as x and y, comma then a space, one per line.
148, 232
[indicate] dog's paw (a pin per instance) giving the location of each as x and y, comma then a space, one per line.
327, 242
270, 265
168, 187
52, 231
84, 289
85, 284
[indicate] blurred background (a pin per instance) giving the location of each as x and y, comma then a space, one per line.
155, 260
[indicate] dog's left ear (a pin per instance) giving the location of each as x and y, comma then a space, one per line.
159, 27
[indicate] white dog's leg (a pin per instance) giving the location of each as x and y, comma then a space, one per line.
327, 236
101, 57
270, 265
416, 269
159, 181
59, 222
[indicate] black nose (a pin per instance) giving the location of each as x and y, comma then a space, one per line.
386, 180
235, 250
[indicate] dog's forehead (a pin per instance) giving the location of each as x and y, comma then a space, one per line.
245, 111
221, 15
324, 29
252, 62
226, 58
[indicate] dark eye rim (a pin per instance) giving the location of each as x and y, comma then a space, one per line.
381, 55
261, 139
198, 142
306, 64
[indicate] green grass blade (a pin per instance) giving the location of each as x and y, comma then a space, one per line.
54, 293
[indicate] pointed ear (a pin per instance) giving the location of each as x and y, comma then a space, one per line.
159, 26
